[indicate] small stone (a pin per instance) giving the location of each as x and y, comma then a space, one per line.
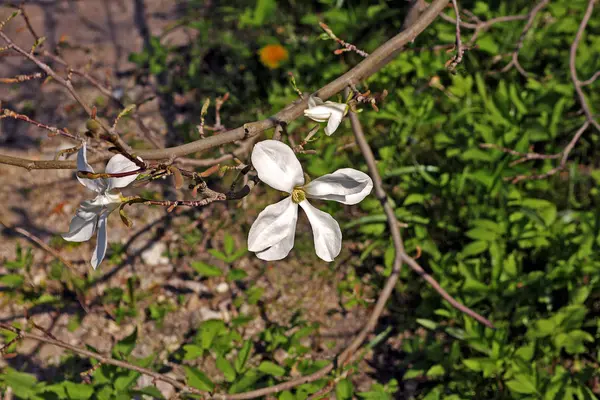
222, 288
154, 255
206, 314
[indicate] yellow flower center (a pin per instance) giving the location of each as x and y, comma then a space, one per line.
298, 195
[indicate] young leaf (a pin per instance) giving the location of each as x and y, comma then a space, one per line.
198, 379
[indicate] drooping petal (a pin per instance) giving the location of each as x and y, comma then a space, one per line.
326, 232
273, 224
97, 185
84, 222
280, 250
101, 242
119, 164
335, 119
277, 165
318, 113
346, 186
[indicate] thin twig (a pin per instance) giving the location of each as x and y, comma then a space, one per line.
584, 105
103, 359
345, 45
591, 80
394, 229
515, 54
459, 45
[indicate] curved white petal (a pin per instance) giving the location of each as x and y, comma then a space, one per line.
97, 185
346, 186
84, 222
280, 250
277, 165
326, 232
273, 224
118, 164
101, 242
335, 119
318, 113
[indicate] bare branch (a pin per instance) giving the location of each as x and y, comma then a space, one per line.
515, 55
459, 46
395, 231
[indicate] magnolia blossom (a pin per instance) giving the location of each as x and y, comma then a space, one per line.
272, 235
329, 112
91, 214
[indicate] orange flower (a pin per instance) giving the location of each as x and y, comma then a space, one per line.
272, 55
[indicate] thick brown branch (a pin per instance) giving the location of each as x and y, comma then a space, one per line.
380, 57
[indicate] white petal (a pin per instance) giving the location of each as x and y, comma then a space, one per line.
273, 224
326, 232
84, 222
280, 250
118, 164
97, 185
346, 186
318, 113
337, 113
101, 242
107, 200
277, 165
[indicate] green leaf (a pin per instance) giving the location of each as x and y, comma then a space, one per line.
344, 389
151, 391
208, 330
270, 368
78, 391
198, 379
236, 275
124, 347
522, 384
126, 380
427, 323
228, 244
12, 280
206, 270
474, 248
192, 351
245, 381
436, 371
23, 384
242, 357
226, 368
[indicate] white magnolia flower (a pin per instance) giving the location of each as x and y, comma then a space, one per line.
329, 112
91, 214
271, 236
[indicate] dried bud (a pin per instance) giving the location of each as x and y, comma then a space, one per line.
177, 177
124, 218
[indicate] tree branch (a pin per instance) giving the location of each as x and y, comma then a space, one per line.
379, 58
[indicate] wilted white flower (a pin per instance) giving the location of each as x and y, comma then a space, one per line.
329, 112
272, 235
92, 214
